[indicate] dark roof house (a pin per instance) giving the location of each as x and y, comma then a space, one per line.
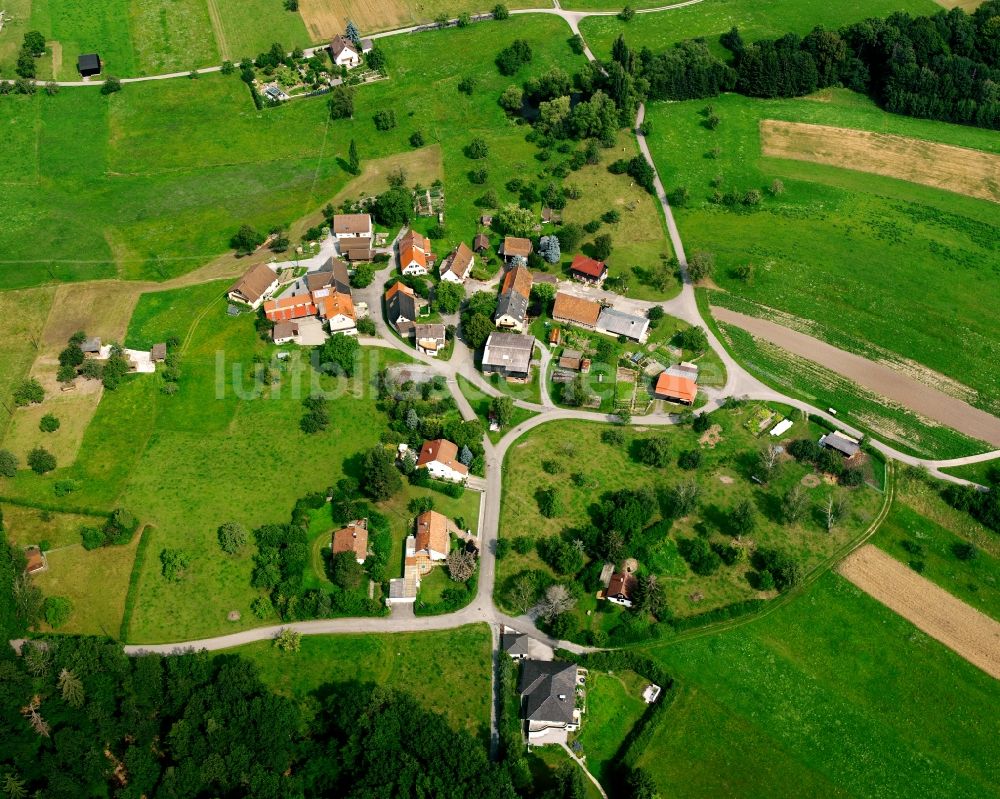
512, 307
400, 304
548, 692
88, 64
508, 354
837, 441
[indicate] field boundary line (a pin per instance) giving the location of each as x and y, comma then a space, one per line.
217, 29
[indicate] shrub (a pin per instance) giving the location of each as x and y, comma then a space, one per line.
41, 460
699, 556
8, 463
64, 487
500, 12
417, 139
689, 459
232, 537
384, 119
29, 392
467, 85
174, 564
48, 423
111, 85
522, 544
963, 550
92, 538
477, 148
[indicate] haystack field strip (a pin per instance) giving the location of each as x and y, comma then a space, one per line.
960, 627
941, 166
925, 400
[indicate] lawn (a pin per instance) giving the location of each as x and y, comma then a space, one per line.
244, 28
169, 170
480, 403
26, 525
83, 27
985, 473
544, 761
461, 660
709, 19
172, 36
798, 703
614, 705
936, 251
574, 458
922, 529
22, 319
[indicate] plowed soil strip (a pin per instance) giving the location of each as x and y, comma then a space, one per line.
960, 627
925, 400
943, 166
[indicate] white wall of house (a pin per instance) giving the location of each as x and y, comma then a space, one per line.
444, 472
235, 297
451, 277
413, 268
347, 58
341, 323
508, 322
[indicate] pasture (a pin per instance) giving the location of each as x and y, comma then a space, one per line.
575, 459
942, 166
889, 265
800, 703
461, 661
711, 18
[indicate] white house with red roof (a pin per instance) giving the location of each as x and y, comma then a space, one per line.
440, 458
415, 256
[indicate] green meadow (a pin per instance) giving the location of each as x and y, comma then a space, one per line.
831, 695
151, 182
756, 19
877, 266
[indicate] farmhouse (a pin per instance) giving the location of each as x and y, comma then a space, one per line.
401, 307
415, 254
837, 441
352, 538
515, 247
456, 267
254, 287
88, 65
344, 52
430, 339
588, 270
548, 700
574, 361
284, 309
346, 226
577, 310
619, 323
675, 389
440, 458
684, 369
284, 332
621, 589
432, 539
509, 355
336, 309
523, 647
512, 307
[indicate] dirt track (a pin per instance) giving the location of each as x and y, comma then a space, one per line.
883, 380
960, 627
943, 166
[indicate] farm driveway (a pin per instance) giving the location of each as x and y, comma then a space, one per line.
918, 397
960, 627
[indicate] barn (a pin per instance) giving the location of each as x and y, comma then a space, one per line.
88, 64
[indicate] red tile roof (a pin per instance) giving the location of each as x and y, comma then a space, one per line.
519, 279
575, 309
353, 538
442, 451
432, 532
512, 245
674, 387
286, 308
588, 266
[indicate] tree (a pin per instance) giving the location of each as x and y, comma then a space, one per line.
777, 187
702, 559
743, 518
550, 502
246, 240
477, 149
570, 235
513, 220
57, 611
684, 498
557, 600
692, 339
353, 159
576, 393
833, 511
464, 20
232, 537
640, 785
379, 477
341, 102
602, 247
500, 12
352, 33
345, 571
377, 60
700, 265
13, 786
501, 411
111, 86
689, 459
543, 293
654, 451
465, 457
41, 460
649, 595
476, 330
512, 99
461, 565
9, 463
71, 688
392, 208
417, 139
793, 504
339, 354
174, 564
288, 640
548, 248
384, 119
48, 423
512, 58
768, 460
34, 43
449, 296
626, 14
28, 392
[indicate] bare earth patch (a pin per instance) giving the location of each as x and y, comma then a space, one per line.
960, 627
711, 437
887, 382
941, 166
810, 481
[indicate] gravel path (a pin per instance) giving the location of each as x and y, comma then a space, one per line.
960, 627
883, 380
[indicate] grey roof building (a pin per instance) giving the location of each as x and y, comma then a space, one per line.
619, 323
548, 692
836, 440
508, 354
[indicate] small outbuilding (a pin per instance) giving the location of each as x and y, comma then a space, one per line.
158, 353
845, 445
88, 65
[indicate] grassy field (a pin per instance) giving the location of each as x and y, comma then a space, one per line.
26, 525
800, 704
244, 28
480, 403
614, 705
724, 478
981, 473
82, 27
22, 319
922, 529
461, 660
711, 18
937, 252
174, 35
